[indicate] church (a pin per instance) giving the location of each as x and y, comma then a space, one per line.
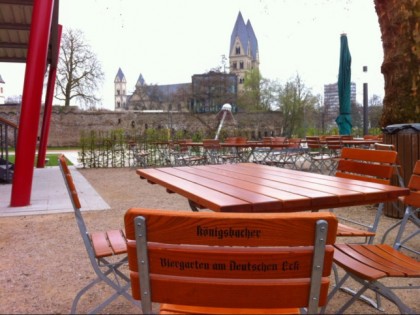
207, 92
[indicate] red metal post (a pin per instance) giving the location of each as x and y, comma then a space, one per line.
31, 102
42, 150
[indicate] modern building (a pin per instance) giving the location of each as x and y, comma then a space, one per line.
213, 89
207, 92
332, 103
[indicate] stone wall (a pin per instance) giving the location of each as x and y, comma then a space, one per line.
68, 123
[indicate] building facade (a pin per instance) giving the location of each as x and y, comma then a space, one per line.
207, 92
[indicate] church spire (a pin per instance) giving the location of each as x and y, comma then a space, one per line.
243, 50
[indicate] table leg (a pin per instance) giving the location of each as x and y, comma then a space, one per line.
194, 207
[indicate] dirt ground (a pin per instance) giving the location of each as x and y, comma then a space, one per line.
43, 262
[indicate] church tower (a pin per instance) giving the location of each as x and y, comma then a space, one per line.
243, 51
120, 84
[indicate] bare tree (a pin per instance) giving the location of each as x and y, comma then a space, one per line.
79, 73
297, 105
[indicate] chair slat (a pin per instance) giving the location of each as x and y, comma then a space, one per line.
101, 245
375, 170
166, 308
346, 230
239, 293
380, 156
117, 241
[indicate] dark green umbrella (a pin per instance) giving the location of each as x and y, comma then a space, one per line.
344, 78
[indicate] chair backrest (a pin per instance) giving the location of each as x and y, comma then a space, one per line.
294, 143
413, 199
230, 140
230, 260
346, 137
313, 142
370, 137
398, 168
71, 189
68, 179
333, 142
183, 145
279, 139
267, 140
211, 144
369, 165
241, 140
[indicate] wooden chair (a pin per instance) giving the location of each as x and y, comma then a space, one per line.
333, 148
183, 155
316, 153
412, 210
260, 154
376, 166
398, 167
285, 154
107, 252
214, 153
139, 156
224, 263
369, 264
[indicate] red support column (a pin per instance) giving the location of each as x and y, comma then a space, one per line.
31, 102
42, 150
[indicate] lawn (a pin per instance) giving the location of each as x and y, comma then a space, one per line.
52, 160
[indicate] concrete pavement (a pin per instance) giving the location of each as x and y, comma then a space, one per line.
49, 193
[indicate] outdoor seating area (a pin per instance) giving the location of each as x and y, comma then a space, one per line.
313, 153
292, 208
374, 167
350, 271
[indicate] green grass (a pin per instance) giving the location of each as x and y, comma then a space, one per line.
52, 160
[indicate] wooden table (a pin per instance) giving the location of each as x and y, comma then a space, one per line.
249, 187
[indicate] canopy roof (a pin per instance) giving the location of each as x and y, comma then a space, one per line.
15, 25
30, 34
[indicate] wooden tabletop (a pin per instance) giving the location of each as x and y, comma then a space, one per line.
249, 187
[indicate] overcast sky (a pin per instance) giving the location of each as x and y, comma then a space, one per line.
168, 41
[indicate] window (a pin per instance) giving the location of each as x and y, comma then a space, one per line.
118, 92
118, 105
238, 50
241, 65
235, 65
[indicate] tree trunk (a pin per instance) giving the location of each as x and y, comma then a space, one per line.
399, 22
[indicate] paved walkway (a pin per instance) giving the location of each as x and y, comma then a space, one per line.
49, 193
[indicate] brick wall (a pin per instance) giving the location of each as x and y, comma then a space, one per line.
67, 123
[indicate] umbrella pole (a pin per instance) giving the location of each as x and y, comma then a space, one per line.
220, 125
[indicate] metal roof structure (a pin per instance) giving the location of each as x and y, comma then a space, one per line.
15, 26
30, 33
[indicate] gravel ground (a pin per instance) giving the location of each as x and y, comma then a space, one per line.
44, 264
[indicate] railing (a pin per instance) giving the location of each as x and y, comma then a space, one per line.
8, 138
